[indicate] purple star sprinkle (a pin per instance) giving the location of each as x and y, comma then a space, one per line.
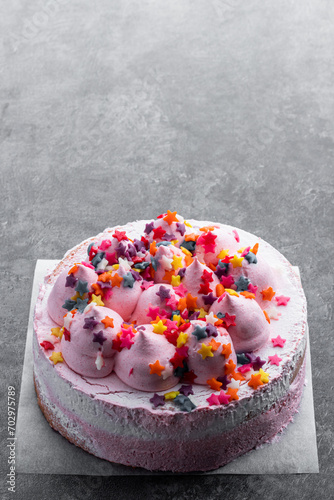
90, 323
209, 299
157, 400
99, 337
224, 380
182, 272
169, 237
149, 227
186, 390
163, 293
71, 280
258, 363
181, 228
211, 330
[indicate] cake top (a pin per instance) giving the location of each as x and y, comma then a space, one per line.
172, 304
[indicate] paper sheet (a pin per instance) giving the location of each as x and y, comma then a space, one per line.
41, 450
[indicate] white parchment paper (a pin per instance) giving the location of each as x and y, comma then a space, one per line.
42, 450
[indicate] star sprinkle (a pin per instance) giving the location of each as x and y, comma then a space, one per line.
207, 240
264, 376
69, 304
128, 280
156, 368
229, 367
97, 299
268, 293
158, 233
182, 339
71, 281
211, 330
209, 299
224, 398
213, 400
255, 381
56, 357
214, 345
116, 280
278, 341
163, 293
186, 390
214, 384
90, 323
126, 341
171, 395
99, 337
205, 351
67, 335
149, 227
242, 284
274, 360
184, 403
229, 320
273, 313
82, 304
257, 363
191, 302
251, 258
108, 322
226, 351
170, 217
199, 332
159, 327
57, 332
120, 235
82, 287
236, 261
47, 345
157, 400
176, 280
233, 393
281, 300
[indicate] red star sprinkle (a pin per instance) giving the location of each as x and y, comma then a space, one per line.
274, 360
278, 341
47, 345
158, 233
281, 300
120, 235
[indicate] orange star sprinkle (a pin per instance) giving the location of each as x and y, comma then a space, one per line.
168, 275
73, 269
188, 260
105, 277
255, 249
255, 381
97, 289
214, 384
156, 368
116, 280
182, 304
226, 351
170, 217
214, 345
108, 322
206, 229
191, 302
229, 367
268, 293
191, 237
233, 393
248, 295
153, 247
237, 376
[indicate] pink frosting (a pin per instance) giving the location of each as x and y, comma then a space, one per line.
84, 355
132, 365
193, 279
252, 329
149, 299
208, 367
60, 292
123, 299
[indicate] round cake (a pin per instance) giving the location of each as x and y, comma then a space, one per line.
172, 345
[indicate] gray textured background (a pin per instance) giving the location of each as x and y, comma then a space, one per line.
115, 111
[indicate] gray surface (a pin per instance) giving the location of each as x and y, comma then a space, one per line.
112, 111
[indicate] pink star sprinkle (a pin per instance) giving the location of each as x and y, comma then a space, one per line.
236, 235
278, 341
213, 400
274, 360
281, 300
127, 341
251, 288
223, 398
180, 290
146, 284
152, 312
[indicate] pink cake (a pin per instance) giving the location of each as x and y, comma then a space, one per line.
171, 345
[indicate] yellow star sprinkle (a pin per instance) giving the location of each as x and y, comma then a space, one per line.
56, 357
159, 327
177, 317
202, 313
57, 332
97, 299
182, 339
230, 291
176, 280
206, 351
177, 262
241, 249
187, 224
171, 395
186, 251
236, 261
223, 254
264, 376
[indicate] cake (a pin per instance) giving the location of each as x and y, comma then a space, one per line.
170, 344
